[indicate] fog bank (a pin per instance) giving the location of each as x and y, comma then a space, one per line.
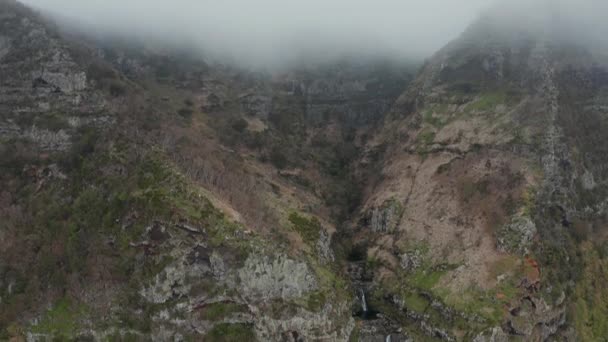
279, 32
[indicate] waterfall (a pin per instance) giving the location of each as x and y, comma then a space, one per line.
363, 302
388, 338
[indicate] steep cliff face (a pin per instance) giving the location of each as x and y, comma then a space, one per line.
150, 195
141, 198
489, 174
126, 215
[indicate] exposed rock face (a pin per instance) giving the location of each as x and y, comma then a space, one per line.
489, 169
41, 78
250, 287
48, 140
516, 236
324, 249
493, 335
302, 325
68, 83
256, 105
535, 317
357, 94
267, 278
384, 219
477, 213
588, 181
410, 261
5, 46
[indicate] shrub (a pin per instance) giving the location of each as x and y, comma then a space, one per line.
117, 88
227, 332
239, 125
278, 158
99, 71
185, 113
309, 229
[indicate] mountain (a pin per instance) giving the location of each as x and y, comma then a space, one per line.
490, 209
150, 194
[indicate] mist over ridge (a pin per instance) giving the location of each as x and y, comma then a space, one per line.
273, 33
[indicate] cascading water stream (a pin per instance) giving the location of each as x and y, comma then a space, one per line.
363, 303
388, 338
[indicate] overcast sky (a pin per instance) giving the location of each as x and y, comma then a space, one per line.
272, 30
275, 31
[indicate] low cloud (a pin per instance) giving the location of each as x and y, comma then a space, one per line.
278, 32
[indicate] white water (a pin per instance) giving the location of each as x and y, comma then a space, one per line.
363, 302
388, 338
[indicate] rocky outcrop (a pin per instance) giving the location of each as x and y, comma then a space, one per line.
411, 261
264, 278
256, 105
49, 140
5, 46
308, 326
495, 334
66, 82
324, 250
43, 83
384, 219
516, 236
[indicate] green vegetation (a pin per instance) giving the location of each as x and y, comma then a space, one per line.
426, 137
488, 101
220, 310
439, 120
89, 214
415, 302
528, 202
425, 278
470, 189
239, 125
355, 334
316, 301
332, 286
227, 332
308, 228
278, 157
424, 140
589, 309
52, 122
61, 321
116, 88
106, 78
185, 113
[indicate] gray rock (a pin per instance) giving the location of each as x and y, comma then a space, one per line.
168, 284
48, 140
495, 334
217, 265
588, 181
5, 46
66, 82
324, 247
386, 218
411, 261
256, 105
264, 278
321, 326
9, 129
516, 236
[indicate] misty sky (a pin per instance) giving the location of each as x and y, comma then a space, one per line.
274, 32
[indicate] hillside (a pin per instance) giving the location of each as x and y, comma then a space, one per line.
489, 210
149, 194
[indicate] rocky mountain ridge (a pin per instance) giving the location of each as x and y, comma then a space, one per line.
150, 195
